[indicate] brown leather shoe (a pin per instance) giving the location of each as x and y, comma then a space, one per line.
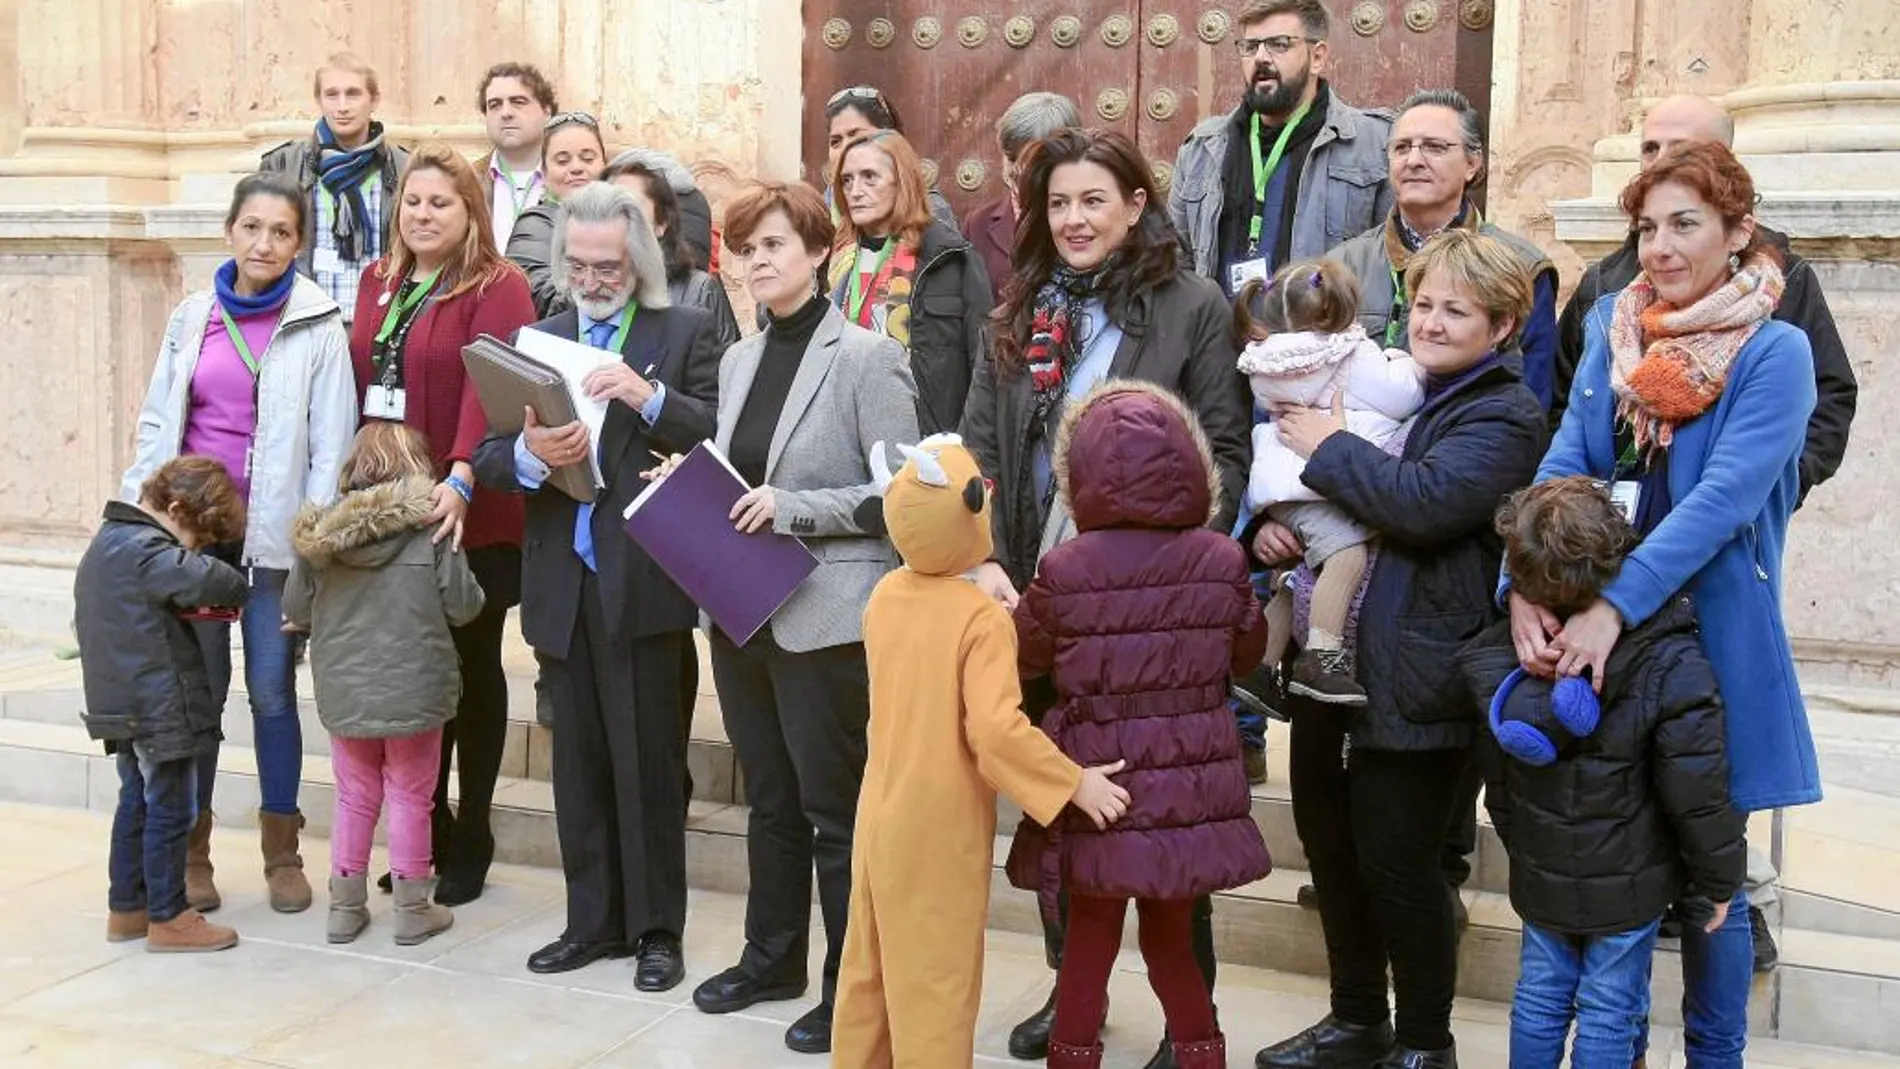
200, 892
188, 933
283, 866
123, 926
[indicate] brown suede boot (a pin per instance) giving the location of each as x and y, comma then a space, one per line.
123, 926
1203, 1054
1068, 1056
188, 933
200, 893
283, 867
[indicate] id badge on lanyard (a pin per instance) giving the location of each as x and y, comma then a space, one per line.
382, 401
1244, 272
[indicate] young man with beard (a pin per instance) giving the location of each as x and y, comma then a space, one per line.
516, 101
1293, 171
349, 177
613, 634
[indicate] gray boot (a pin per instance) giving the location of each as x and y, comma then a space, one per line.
418, 918
349, 912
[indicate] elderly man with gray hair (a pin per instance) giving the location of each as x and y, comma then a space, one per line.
992, 227
613, 634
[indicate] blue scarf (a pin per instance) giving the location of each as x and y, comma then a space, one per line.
342, 173
225, 281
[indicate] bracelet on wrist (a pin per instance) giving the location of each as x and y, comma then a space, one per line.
461, 488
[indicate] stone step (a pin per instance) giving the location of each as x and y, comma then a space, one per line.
1831, 988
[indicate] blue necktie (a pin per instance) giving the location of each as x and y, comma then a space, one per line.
600, 336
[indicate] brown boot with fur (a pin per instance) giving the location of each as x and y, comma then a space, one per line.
123, 926
188, 933
200, 893
283, 866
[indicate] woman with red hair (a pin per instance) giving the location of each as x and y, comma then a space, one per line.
1694, 405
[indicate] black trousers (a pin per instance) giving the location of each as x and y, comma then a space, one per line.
464, 843
1373, 825
620, 778
1461, 834
796, 721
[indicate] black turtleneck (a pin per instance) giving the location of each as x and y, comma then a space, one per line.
785, 343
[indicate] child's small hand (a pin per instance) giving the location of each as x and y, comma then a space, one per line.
1721, 915
1098, 796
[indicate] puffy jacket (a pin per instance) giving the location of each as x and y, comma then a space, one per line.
1141, 620
306, 413
1637, 814
143, 670
1431, 589
378, 599
1381, 390
1342, 190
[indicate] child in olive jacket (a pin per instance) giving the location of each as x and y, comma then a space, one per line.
378, 594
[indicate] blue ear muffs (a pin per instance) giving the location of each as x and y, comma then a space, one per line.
1573, 714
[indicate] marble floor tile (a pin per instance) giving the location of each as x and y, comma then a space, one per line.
44, 1046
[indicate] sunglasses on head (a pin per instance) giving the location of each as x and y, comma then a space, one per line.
856, 92
567, 117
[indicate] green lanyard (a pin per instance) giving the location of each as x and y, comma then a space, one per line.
519, 196
237, 339
619, 339
854, 293
1393, 324
1263, 171
399, 308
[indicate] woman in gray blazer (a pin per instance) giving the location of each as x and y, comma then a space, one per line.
799, 406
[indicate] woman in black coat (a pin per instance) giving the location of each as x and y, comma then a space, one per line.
1099, 292
1371, 824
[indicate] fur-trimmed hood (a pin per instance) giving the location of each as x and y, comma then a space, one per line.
364, 528
1131, 454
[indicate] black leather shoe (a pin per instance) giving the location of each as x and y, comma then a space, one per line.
1164, 1056
565, 956
811, 1034
1029, 1040
658, 964
732, 991
1330, 1044
1401, 1058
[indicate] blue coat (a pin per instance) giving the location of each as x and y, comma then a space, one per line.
1733, 481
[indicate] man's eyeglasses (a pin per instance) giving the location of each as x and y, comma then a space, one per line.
1277, 45
566, 117
855, 92
608, 274
1433, 148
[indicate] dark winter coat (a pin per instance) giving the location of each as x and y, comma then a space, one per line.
144, 673
1434, 585
1142, 619
948, 310
1179, 335
1637, 814
378, 598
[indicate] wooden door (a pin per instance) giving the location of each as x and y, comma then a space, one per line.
1148, 68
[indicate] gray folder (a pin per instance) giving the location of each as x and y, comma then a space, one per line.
507, 381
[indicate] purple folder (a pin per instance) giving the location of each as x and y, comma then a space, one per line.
739, 579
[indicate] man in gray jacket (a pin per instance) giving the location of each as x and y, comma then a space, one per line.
1293, 171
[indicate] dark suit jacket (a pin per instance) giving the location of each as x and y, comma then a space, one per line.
638, 598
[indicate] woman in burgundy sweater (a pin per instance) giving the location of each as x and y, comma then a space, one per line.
440, 286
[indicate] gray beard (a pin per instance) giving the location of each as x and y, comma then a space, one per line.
1277, 101
602, 310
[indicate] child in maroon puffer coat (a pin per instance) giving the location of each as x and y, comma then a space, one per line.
1141, 621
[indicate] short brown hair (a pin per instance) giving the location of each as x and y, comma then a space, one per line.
1494, 273
384, 452
206, 497
1564, 540
350, 63
802, 205
1311, 12
1307, 295
524, 73
910, 212
1712, 172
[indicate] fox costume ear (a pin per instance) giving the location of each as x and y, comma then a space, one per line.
973, 494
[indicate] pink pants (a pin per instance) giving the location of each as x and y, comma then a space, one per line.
403, 770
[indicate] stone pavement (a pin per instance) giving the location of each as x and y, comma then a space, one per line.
284, 997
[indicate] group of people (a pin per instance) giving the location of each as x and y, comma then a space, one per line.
1309, 426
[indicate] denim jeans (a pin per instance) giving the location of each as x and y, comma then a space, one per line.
1718, 970
157, 804
1600, 980
270, 678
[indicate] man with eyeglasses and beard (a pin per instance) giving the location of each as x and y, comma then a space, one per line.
612, 633
1290, 173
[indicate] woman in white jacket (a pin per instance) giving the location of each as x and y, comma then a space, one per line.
1308, 351
256, 374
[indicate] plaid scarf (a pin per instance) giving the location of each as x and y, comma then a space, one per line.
342, 173
1668, 365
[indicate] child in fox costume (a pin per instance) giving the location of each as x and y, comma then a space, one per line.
947, 732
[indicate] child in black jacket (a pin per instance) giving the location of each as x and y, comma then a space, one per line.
148, 694
1611, 806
